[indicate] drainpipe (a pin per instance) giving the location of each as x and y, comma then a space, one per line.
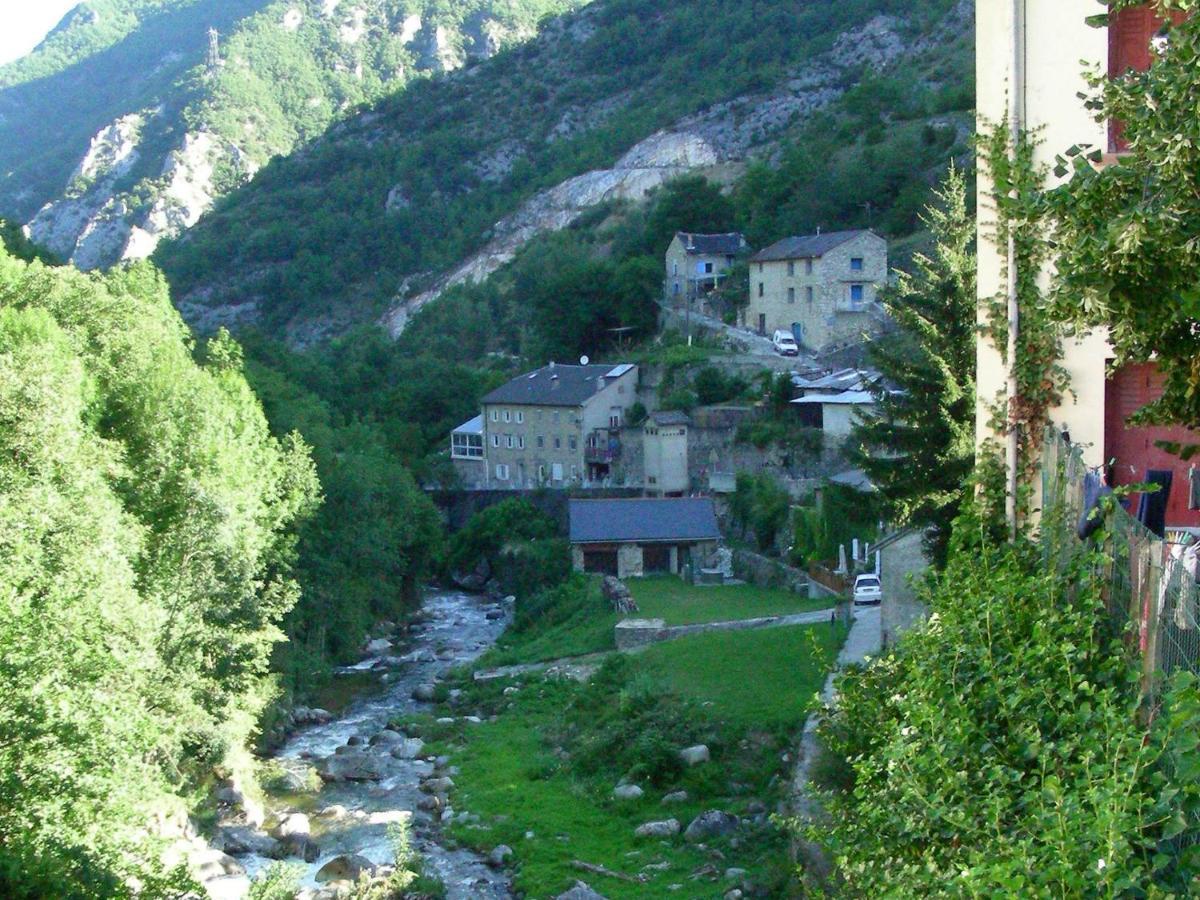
1014, 310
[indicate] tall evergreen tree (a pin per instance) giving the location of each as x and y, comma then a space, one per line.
918, 446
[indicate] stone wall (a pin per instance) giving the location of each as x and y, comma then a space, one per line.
763, 571
630, 563
632, 634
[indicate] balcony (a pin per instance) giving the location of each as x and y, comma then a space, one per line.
602, 449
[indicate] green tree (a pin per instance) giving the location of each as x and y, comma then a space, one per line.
1128, 257
918, 446
690, 203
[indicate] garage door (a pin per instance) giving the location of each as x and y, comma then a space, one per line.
600, 562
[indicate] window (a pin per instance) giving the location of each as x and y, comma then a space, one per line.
466, 446
507, 415
857, 295
495, 415
1131, 35
808, 294
558, 443
760, 268
677, 288
501, 472
675, 267
495, 440
760, 289
791, 268
574, 443
556, 471
509, 440
708, 267
808, 266
614, 417
541, 473
791, 295
520, 442
541, 441
520, 417
856, 264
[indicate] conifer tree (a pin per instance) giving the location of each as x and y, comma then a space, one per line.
918, 446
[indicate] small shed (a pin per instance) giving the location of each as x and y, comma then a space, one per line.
636, 537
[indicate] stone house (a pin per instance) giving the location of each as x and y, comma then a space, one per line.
695, 266
823, 288
559, 426
665, 453
1100, 396
632, 538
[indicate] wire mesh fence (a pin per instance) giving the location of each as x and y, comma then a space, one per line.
1150, 581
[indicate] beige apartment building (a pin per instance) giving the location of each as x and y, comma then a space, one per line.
823, 288
559, 426
1034, 54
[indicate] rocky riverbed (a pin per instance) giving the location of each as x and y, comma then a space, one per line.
367, 777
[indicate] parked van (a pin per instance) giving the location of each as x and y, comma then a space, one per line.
785, 344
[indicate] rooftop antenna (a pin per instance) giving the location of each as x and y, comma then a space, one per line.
214, 50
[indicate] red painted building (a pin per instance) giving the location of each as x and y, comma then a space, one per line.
1132, 451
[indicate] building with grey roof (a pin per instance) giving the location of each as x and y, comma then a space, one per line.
697, 264
631, 538
823, 288
558, 426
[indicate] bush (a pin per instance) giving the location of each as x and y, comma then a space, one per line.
524, 569
997, 752
490, 530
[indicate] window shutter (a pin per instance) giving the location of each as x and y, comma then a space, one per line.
1129, 34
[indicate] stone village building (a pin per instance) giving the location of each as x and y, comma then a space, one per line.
636, 537
559, 426
695, 266
823, 288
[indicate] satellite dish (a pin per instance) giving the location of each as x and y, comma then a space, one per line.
583, 360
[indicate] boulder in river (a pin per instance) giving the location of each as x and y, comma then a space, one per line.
241, 840
410, 748
352, 765
424, 693
499, 855
345, 868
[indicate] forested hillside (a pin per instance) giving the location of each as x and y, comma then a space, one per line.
455, 173
147, 523
119, 128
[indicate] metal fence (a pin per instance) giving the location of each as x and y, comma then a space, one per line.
1150, 581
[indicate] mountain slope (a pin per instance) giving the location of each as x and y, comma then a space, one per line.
119, 129
446, 180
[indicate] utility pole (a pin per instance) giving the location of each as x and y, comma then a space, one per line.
214, 50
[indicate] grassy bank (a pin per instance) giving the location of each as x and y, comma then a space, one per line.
679, 603
540, 775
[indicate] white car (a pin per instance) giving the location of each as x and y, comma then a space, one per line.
785, 344
867, 590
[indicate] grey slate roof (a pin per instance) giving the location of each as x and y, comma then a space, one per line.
716, 244
671, 417
643, 521
808, 247
554, 386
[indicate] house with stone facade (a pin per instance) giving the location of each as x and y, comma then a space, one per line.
696, 264
665, 453
636, 537
823, 288
559, 426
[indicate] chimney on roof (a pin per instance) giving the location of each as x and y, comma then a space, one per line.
552, 364
599, 384
818, 231
691, 242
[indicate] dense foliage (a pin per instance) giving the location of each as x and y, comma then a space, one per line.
918, 446
145, 566
997, 751
409, 189
1138, 273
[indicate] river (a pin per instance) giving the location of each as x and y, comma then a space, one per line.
455, 629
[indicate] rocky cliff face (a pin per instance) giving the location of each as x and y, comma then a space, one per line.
727, 133
152, 171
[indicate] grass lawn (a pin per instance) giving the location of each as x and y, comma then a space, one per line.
753, 679
745, 694
577, 636
678, 603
